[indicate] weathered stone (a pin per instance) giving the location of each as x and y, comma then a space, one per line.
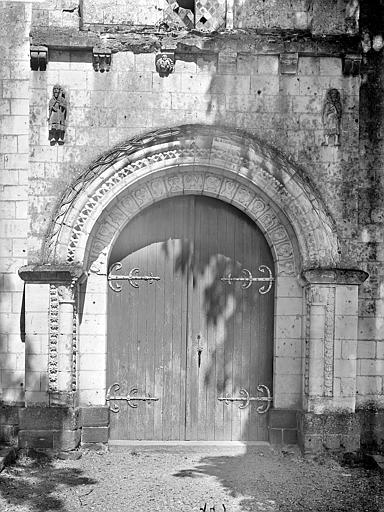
94, 435
276, 436
36, 439
9, 415
289, 436
48, 418
282, 418
94, 416
66, 440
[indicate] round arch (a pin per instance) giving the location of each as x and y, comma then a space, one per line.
193, 159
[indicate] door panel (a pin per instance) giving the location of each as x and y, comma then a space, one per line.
190, 338
234, 324
147, 326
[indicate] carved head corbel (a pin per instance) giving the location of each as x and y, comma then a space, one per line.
165, 63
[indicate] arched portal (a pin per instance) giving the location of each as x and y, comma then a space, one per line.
228, 166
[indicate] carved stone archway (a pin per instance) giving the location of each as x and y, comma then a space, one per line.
311, 372
222, 163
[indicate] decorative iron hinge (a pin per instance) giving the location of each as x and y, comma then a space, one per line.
248, 279
246, 399
128, 398
132, 277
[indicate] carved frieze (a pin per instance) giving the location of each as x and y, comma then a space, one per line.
113, 220
193, 182
325, 297
329, 342
53, 338
308, 302
212, 184
61, 294
74, 348
175, 183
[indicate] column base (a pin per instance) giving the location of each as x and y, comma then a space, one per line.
61, 428
49, 428
331, 432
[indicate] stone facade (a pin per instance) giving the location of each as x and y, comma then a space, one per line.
242, 114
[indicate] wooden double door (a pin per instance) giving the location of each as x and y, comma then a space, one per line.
189, 338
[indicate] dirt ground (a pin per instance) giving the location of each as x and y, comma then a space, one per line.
186, 479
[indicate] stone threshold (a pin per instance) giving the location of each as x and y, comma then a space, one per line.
122, 445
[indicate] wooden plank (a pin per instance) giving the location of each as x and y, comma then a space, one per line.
230, 325
206, 370
257, 343
151, 335
180, 276
159, 333
238, 323
220, 252
195, 334
168, 327
213, 315
186, 290
249, 296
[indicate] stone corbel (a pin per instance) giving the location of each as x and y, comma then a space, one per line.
102, 59
39, 58
352, 65
288, 63
165, 62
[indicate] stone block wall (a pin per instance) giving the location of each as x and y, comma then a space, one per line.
53, 428
56, 13
318, 16
14, 223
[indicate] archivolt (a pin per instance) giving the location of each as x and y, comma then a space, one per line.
193, 159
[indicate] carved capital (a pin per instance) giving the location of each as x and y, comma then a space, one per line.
102, 59
66, 294
39, 58
52, 274
342, 276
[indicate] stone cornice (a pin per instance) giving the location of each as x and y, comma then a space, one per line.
150, 40
52, 273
